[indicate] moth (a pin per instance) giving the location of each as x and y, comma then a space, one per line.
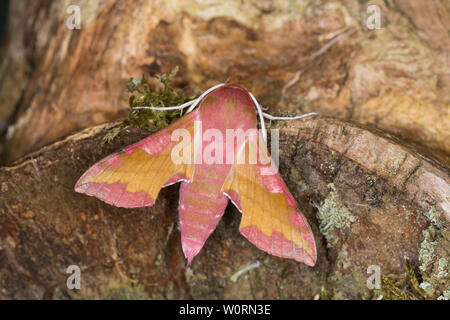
270, 219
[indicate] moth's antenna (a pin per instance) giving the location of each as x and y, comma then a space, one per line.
180, 107
261, 117
197, 101
193, 103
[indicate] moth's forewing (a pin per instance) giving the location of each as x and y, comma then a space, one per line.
133, 177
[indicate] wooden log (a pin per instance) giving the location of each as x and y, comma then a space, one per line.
57, 80
370, 200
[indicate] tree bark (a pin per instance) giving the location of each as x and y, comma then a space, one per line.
371, 173
56, 80
366, 197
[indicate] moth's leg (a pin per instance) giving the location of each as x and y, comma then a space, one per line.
191, 104
270, 117
263, 115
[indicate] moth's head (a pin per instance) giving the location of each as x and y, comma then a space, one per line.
240, 93
236, 86
239, 83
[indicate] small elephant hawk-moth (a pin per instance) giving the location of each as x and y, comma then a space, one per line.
270, 220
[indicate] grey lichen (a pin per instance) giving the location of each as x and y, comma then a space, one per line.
434, 269
433, 216
427, 286
342, 260
443, 268
333, 215
445, 295
426, 252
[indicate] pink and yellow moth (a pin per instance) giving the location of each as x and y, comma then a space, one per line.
270, 219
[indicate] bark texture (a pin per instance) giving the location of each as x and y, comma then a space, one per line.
56, 80
370, 174
366, 205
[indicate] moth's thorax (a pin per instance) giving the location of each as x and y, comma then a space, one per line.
228, 107
234, 92
236, 86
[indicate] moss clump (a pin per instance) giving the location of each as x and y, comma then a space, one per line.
128, 291
405, 286
427, 284
333, 214
392, 291
142, 95
323, 294
347, 285
413, 279
432, 280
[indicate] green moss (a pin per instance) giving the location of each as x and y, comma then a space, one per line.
404, 286
323, 294
142, 95
348, 285
391, 291
409, 286
333, 214
413, 279
128, 291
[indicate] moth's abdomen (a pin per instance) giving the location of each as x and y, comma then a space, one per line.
200, 208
